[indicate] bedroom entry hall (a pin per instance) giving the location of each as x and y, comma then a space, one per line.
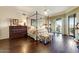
39, 29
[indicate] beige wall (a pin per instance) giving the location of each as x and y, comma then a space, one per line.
12, 12
53, 20
75, 11
65, 19
5, 14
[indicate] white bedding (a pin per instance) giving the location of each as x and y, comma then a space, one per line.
42, 33
31, 31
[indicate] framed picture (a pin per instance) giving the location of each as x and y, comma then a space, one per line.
14, 22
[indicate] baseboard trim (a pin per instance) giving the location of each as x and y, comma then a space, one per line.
65, 35
4, 39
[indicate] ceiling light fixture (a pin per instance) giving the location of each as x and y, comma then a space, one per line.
46, 12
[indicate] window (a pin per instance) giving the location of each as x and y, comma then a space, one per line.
58, 26
71, 25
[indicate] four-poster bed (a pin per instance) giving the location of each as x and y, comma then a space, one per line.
38, 29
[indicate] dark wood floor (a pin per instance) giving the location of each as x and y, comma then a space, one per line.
27, 45
58, 44
4, 45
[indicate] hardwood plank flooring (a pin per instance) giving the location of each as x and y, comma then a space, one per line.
4, 46
58, 44
24, 45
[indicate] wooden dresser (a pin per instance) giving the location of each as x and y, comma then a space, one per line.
17, 32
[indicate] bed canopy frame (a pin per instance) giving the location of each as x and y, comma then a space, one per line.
39, 20
34, 18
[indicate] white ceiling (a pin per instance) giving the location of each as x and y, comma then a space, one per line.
29, 10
